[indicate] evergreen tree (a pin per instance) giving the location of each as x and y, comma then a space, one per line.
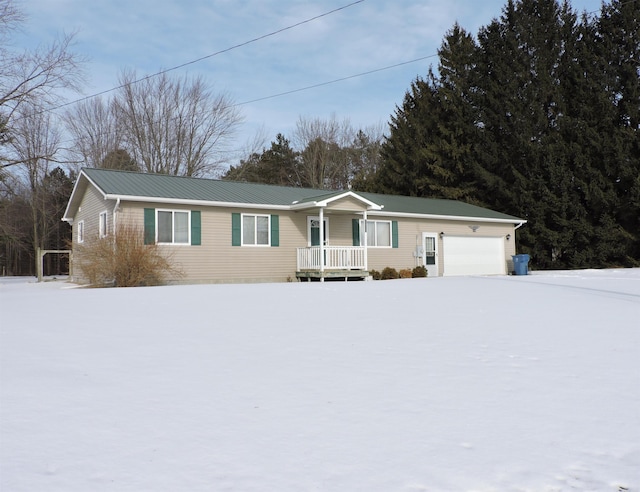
618, 40
276, 165
56, 189
539, 119
539, 37
430, 151
119, 159
406, 154
453, 173
364, 161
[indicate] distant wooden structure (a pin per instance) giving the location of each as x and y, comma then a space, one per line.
40, 255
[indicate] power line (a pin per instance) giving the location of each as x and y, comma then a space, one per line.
329, 82
342, 79
197, 60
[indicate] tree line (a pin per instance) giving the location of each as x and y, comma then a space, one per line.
536, 115
325, 154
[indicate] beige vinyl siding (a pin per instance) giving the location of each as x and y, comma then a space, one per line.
216, 260
348, 203
410, 236
91, 206
340, 230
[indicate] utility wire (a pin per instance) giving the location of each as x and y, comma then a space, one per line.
197, 60
334, 81
361, 74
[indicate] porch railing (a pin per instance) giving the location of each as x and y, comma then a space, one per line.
335, 257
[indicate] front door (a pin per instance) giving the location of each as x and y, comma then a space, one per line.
430, 253
313, 224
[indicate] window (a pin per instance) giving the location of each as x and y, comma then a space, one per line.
378, 233
255, 230
103, 224
173, 227
81, 231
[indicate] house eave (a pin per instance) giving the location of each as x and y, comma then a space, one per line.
450, 217
67, 217
194, 202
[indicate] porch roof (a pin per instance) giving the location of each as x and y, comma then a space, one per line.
132, 186
328, 198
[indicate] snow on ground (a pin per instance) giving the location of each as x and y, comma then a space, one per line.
525, 383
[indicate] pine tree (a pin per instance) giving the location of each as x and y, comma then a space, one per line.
276, 165
453, 172
430, 149
527, 162
618, 38
406, 152
539, 118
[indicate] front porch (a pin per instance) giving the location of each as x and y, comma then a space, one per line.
348, 262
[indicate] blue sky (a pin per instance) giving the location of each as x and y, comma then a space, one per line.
150, 35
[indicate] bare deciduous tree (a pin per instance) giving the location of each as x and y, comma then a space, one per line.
95, 130
176, 126
324, 162
33, 137
31, 79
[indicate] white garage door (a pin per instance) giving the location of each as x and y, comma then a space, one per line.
473, 256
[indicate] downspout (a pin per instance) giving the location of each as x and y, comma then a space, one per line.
115, 211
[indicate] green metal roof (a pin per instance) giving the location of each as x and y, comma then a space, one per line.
125, 184
433, 206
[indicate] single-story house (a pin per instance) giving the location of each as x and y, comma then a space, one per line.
223, 231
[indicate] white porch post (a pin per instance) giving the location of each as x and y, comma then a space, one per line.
366, 242
321, 244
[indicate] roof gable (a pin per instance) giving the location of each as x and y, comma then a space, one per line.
326, 199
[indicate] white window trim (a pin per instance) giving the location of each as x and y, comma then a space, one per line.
103, 225
373, 233
173, 227
255, 245
80, 231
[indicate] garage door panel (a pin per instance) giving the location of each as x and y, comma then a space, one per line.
473, 256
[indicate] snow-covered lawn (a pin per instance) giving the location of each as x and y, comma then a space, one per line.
443, 384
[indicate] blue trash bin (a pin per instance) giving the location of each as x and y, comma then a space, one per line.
521, 264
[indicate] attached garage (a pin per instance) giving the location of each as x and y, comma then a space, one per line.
473, 255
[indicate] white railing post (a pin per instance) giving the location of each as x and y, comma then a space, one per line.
321, 244
366, 241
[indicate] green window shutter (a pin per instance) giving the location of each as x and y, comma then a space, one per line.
236, 229
149, 225
196, 228
355, 231
394, 234
275, 230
